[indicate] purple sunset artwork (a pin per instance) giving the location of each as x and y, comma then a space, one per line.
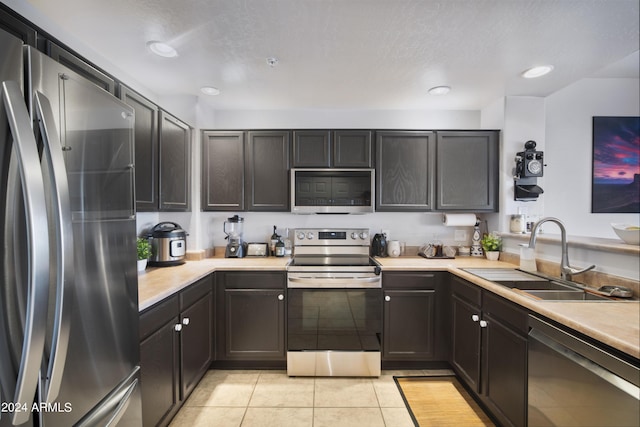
616, 165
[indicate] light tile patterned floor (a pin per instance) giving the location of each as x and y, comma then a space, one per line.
271, 398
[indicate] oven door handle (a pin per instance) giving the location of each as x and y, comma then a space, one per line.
335, 282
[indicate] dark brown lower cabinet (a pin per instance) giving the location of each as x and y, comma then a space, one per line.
175, 350
504, 386
196, 335
159, 362
415, 320
250, 326
465, 351
489, 350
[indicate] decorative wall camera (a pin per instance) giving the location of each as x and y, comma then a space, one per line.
529, 166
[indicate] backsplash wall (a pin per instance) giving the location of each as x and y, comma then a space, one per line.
413, 228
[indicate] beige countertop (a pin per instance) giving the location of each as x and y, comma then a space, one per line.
157, 283
616, 324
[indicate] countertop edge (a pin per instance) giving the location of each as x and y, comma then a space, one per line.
158, 284
566, 313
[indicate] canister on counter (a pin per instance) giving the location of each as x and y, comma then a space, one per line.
518, 223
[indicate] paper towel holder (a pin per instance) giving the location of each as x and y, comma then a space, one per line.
471, 223
529, 166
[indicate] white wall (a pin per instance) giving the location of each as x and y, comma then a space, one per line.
337, 119
561, 125
521, 118
569, 150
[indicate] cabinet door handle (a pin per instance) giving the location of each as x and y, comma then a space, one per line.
484, 324
475, 317
387, 298
280, 297
177, 327
185, 321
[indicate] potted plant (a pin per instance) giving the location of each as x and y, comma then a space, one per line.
144, 252
491, 243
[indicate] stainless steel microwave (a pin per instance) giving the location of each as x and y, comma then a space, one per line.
332, 191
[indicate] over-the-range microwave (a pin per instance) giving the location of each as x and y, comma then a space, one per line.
332, 191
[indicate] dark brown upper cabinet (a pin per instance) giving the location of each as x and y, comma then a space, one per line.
326, 148
311, 148
82, 67
267, 170
404, 170
175, 160
223, 170
146, 149
467, 171
352, 149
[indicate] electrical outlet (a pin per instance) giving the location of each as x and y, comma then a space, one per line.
460, 235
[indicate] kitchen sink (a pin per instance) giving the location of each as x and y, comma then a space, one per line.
536, 286
569, 295
542, 285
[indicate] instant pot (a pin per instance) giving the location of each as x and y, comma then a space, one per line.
168, 245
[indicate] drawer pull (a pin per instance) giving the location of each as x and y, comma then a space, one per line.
475, 318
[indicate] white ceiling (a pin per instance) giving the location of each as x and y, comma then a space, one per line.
357, 54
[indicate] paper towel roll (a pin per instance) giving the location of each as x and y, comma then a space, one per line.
459, 220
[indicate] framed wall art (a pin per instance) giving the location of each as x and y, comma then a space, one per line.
616, 165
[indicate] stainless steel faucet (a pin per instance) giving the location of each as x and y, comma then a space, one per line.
566, 271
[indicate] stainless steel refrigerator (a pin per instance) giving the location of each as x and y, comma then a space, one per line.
69, 350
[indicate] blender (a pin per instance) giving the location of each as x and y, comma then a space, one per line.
232, 227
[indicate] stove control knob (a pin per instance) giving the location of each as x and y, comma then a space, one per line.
364, 235
354, 235
310, 235
301, 235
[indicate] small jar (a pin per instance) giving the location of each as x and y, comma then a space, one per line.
518, 223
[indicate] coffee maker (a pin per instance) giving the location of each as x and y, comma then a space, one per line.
232, 227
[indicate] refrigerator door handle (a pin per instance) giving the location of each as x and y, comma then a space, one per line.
123, 405
62, 222
111, 409
38, 249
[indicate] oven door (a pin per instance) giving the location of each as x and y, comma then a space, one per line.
334, 325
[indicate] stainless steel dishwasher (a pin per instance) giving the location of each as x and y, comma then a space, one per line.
574, 383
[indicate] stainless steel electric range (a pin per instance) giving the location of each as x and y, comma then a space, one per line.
334, 307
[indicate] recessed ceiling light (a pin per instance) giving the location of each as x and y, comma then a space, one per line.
162, 49
539, 71
272, 62
210, 90
439, 90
